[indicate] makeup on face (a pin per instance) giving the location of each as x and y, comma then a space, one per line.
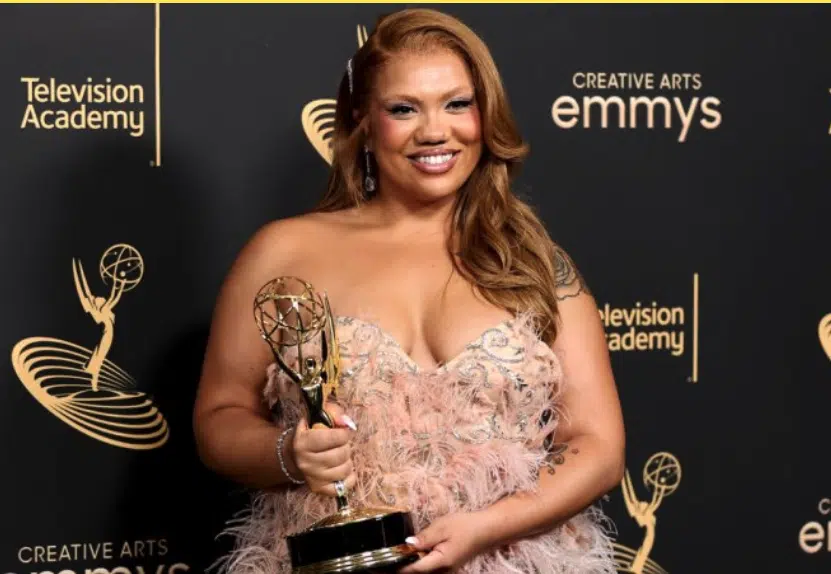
427, 132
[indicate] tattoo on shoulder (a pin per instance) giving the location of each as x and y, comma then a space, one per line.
557, 456
569, 282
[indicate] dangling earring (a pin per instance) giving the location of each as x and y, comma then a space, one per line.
369, 181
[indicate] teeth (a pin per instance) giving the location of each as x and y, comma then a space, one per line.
434, 159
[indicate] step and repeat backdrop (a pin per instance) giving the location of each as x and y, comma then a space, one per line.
681, 154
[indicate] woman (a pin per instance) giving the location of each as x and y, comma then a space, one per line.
476, 389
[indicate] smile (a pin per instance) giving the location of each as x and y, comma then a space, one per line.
435, 163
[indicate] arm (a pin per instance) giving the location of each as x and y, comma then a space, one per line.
115, 294
587, 457
234, 434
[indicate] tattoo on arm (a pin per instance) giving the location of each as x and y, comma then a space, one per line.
569, 282
556, 456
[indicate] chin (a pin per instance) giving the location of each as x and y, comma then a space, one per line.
430, 187
436, 187
435, 190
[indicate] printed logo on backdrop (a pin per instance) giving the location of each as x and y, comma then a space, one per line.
66, 104
91, 557
652, 326
815, 535
675, 102
81, 386
52, 104
318, 116
661, 477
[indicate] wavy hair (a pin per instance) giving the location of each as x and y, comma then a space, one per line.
497, 242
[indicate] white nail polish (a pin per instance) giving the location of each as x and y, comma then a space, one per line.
411, 540
350, 423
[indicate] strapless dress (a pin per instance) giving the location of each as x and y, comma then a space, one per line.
454, 438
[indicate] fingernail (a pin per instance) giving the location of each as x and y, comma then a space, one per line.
411, 540
350, 423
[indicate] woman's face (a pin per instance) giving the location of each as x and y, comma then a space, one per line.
425, 130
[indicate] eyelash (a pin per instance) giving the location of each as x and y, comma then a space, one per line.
463, 103
401, 109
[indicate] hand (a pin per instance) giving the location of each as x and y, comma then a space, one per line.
450, 542
322, 455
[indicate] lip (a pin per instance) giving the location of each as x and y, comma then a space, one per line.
434, 169
433, 151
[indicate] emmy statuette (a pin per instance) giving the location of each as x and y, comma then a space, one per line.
290, 313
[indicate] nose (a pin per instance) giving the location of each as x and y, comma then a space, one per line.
432, 129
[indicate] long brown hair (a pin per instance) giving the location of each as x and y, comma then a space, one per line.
498, 243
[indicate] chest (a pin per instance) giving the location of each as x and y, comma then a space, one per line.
502, 380
499, 382
412, 292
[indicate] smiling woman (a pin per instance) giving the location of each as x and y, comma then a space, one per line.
473, 356
427, 124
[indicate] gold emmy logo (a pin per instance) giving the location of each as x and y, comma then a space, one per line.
83, 388
825, 334
318, 117
661, 475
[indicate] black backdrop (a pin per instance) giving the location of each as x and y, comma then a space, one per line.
719, 230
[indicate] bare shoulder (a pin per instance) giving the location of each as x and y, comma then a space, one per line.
273, 237
300, 227
276, 248
277, 243
580, 325
569, 282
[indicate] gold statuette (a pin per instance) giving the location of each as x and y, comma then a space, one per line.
291, 314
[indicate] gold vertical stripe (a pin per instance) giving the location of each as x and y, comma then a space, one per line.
695, 329
158, 88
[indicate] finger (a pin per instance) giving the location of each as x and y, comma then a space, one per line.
333, 408
435, 561
317, 465
350, 482
339, 416
330, 458
328, 488
321, 440
330, 475
430, 536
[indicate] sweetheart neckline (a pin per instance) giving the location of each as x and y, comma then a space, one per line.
443, 365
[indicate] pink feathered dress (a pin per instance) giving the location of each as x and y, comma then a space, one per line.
451, 439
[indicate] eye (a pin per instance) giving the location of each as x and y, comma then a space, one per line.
460, 104
400, 109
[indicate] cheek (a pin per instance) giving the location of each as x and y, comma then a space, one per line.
392, 134
469, 128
